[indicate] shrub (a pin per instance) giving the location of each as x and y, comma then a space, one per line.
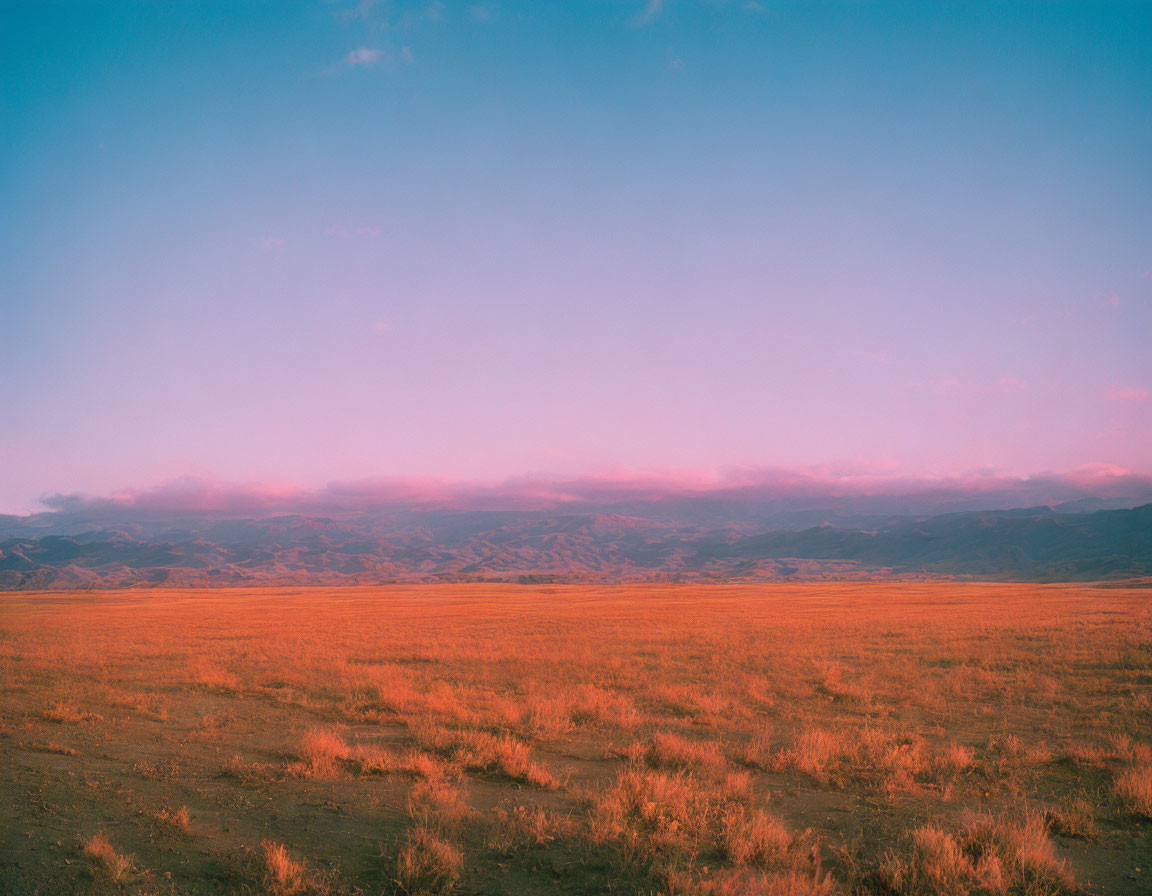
100, 848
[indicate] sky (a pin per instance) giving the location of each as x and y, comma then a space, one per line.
313, 242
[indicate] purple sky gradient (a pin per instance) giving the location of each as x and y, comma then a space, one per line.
323, 242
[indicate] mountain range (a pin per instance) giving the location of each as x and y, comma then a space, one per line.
663, 541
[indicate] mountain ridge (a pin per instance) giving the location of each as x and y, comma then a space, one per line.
1023, 544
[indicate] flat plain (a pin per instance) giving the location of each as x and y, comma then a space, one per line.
872, 738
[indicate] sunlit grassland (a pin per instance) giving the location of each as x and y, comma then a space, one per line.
849, 738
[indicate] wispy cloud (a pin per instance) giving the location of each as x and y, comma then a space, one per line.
363, 56
649, 13
372, 57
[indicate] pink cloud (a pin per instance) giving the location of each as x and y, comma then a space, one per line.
1126, 394
199, 496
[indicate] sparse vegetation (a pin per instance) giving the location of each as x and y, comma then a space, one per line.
839, 740
100, 849
175, 821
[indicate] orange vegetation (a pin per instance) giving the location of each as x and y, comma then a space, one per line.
916, 739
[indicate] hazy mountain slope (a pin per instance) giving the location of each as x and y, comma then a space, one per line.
1033, 544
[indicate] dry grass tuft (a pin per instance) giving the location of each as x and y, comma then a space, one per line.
177, 821
753, 837
816, 753
1072, 818
526, 827
438, 801
1015, 753
421, 765
842, 689
757, 753
991, 855
938, 865
209, 676
147, 705
66, 712
953, 760
669, 750
595, 707
1134, 788
374, 760
323, 750
481, 752
643, 809
427, 864
100, 848
737, 787
283, 875
1125, 749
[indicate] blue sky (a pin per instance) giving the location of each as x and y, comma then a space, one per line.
319, 241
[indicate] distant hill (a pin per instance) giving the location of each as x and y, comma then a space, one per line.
1034, 544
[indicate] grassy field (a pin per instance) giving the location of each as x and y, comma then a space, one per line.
807, 739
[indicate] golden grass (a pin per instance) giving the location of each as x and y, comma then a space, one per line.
651, 739
753, 837
484, 753
989, 855
323, 750
1134, 787
651, 811
283, 875
438, 802
671, 750
527, 826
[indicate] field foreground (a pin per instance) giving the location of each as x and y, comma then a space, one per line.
768, 739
